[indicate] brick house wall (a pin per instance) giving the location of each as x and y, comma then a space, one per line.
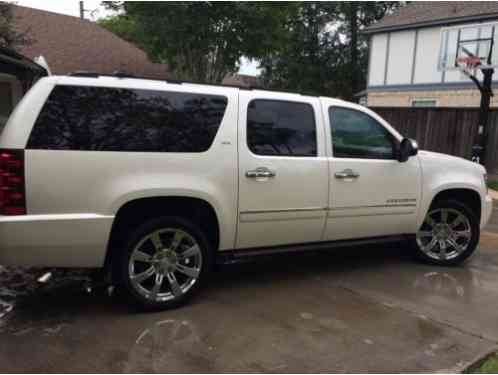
444, 98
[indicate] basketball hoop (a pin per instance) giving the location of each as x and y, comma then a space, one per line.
468, 64
469, 48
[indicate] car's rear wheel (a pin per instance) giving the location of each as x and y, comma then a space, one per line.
448, 235
164, 263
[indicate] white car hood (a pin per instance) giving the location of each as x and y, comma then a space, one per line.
449, 161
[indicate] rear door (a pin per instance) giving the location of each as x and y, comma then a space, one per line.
283, 174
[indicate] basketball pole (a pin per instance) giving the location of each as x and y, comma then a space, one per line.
473, 42
486, 90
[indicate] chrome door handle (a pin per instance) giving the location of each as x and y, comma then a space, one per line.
347, 173
260, 172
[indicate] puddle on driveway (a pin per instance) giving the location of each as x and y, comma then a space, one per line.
18, 283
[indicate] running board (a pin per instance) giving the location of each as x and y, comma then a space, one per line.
234, 256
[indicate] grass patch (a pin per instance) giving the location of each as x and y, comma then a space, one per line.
493, 184
489, 366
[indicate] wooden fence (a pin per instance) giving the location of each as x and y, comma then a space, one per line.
448, 130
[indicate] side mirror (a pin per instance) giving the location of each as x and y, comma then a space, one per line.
408, 147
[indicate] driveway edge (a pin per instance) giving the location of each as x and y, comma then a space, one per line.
467, 367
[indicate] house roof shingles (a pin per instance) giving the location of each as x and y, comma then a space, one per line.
425, 13
70, 44
241, 80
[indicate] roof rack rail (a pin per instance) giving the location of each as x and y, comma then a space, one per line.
83, 73
237, 87
240, 87
121, 74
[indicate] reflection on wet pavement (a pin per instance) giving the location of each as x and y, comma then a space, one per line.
441, 283
18, 284
357, 309
14, 283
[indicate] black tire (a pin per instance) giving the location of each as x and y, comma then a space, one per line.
131, 292
452, 206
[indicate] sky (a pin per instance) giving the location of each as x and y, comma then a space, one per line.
96, 11
69, 7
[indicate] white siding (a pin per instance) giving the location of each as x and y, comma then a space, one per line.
399, 64
401, 47
427, 56
378, 46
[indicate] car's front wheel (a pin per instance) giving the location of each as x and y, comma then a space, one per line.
164, 262
448, 235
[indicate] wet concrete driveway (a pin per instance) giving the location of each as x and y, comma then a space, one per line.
370, 309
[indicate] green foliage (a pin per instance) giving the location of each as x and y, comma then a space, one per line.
123, 26
309, 47
490, 366
201, 41
307, 60
493, 184
325, 52
9, 37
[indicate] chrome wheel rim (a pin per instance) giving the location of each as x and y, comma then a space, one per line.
165, 264
445, 234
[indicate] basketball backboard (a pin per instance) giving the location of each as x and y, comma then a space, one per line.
469, 47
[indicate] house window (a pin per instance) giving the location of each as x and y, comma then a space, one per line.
5, 101
424, 103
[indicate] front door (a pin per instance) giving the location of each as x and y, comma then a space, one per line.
371, 193
283, 172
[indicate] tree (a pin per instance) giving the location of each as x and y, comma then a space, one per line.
123, 26
326, 53
201, 41
9, 36
354, 16
307, 60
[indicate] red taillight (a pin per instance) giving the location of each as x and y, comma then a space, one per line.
12, 193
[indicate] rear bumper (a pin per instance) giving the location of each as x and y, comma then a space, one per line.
486, 211
69, 240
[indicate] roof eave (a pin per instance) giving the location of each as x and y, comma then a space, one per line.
418, 25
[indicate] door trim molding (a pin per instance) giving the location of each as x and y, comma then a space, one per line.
373, 210
372, 206
329, 212
306, 209
326, 208
282, 215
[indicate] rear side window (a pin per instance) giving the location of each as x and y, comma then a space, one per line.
115, 119
280, 128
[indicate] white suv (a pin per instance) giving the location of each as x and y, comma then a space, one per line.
157, 181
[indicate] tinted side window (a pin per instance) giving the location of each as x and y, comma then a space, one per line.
357, 135
114, 119
281, 128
